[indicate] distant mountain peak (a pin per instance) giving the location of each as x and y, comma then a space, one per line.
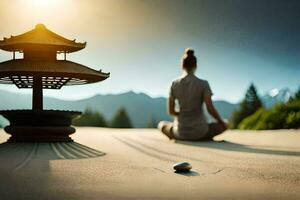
273, 92
276, 95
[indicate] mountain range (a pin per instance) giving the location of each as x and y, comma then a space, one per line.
140, 107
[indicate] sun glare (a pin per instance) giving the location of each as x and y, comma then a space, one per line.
45, 3
36, 11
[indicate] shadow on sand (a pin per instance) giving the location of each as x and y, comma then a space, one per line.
27, 170
230, 146
17, 156
190, 173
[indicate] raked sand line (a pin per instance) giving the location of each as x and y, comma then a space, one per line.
136, 141
28, 158
7, 147
96, 152
56, 151
72, 150
21, 154
177, 156
65, 152
143, 150
84, 151
77, 154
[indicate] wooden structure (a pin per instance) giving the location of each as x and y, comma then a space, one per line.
39, 69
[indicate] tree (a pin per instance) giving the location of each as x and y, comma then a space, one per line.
121, 119
152, 123
296, 96
250, 104
90, 118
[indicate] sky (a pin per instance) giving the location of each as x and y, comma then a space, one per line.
141, 42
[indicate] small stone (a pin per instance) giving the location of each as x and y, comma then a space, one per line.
182, 167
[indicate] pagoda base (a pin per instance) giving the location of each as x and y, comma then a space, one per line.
39, 125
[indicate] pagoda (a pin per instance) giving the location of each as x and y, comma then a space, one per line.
40, 69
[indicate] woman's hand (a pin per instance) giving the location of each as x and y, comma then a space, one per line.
213, 112
224, 124
176, 114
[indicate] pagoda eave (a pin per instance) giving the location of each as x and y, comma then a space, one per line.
39, 37
20, 47
54, 74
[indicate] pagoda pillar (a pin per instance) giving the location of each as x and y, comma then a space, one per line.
37, 93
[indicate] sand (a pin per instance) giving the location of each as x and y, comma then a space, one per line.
137, 164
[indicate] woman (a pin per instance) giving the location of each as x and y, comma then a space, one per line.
191, 92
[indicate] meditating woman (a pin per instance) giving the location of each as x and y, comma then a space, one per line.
191, 92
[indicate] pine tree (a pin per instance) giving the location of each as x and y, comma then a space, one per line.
250, 104
121, 119
90, 118
152, 123
296, 96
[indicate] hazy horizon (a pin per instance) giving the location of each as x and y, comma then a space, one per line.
141, 42
64, 98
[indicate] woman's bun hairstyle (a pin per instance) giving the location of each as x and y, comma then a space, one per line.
189, 52
189, 60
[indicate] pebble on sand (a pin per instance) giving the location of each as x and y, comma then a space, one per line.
182, 167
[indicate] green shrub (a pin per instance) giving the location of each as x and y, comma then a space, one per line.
280, 116
253, 121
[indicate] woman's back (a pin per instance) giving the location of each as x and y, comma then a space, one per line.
190, 91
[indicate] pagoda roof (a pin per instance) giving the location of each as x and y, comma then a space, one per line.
40, 38
55, 74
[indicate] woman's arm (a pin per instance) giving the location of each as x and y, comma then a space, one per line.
171, 107
211, 110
